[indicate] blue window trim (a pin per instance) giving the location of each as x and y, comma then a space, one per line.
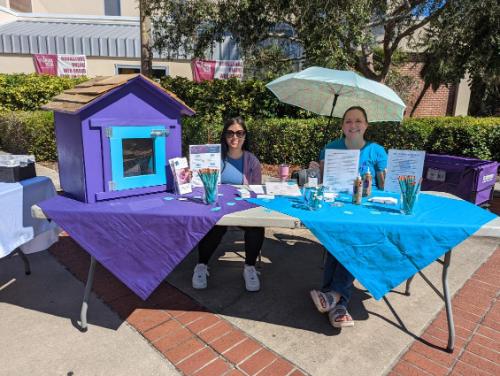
117, 174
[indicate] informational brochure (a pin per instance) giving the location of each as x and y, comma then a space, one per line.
204, 156
282, 189
181, 174
257, 189
403, 163
340, 170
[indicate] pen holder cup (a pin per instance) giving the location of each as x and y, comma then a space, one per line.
210, 188
210, 194
408, 203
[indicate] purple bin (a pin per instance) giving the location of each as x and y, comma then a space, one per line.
468, 178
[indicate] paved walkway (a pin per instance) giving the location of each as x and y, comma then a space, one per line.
476, 310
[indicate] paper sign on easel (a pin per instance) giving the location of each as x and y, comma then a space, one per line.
403, 163
340, 169
204, 156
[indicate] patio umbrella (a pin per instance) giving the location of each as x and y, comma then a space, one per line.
331, 92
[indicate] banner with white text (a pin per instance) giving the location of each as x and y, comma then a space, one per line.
216, 69
63, 65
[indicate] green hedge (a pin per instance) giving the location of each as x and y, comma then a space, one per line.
28, 132
216, 100
27, 92
296, 141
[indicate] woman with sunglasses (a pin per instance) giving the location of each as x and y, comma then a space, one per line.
239, 166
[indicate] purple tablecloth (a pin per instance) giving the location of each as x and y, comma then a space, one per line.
140, 239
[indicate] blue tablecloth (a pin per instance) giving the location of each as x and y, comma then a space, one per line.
380, 246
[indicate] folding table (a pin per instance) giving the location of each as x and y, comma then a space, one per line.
260, 216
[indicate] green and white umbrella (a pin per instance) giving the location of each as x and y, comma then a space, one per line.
330, 92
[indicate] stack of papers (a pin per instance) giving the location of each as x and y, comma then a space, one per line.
384, 200
283, 189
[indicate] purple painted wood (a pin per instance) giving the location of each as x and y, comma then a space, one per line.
125, 193
70, 155
136, 103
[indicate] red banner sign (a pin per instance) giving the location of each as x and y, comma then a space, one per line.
61, 65
216, 69
45, 64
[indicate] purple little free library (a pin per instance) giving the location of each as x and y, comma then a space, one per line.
115, 135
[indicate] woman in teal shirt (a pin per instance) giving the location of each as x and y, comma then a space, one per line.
338, 282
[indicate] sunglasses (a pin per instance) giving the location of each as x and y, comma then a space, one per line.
239, 134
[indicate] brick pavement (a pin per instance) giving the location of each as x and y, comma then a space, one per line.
476, 311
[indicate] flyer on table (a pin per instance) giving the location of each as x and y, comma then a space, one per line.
403, 163
204, 156
340, 170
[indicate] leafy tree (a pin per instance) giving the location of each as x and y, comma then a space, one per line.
333, 33
466, 38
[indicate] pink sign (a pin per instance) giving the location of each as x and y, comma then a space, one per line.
61, 65
45, 64
203, 70
216, 69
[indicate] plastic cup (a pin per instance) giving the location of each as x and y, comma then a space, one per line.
283, 171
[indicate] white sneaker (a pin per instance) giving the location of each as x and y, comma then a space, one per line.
251, 277
200, 276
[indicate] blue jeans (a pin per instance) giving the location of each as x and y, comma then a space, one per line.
337, 278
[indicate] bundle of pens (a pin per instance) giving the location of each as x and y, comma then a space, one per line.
409, 192
209, 178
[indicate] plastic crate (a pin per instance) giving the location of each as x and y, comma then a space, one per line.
14, 168
468, 178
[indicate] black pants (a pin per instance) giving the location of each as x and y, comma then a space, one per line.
254, 237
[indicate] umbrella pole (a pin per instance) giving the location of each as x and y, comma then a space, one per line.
333, 107
330, 118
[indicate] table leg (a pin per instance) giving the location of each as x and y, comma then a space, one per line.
447, 301
86, 295
27, 268
408, 283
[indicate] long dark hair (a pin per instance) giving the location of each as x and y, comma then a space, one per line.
223, 142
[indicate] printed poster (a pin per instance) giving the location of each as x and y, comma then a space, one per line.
204, 156
62, 65
340, 170
403, 163
216, 69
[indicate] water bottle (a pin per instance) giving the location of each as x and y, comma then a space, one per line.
312, 177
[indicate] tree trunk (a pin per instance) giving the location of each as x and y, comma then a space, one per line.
146, 48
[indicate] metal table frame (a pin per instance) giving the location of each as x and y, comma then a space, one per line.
266, 218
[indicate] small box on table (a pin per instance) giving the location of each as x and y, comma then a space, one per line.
14, 168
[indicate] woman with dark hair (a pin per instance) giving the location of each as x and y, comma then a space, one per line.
239, 166
336, 291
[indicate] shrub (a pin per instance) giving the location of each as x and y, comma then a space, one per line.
27, 92
28, 132
296, 141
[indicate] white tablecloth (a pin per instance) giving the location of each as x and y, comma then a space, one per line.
17, 227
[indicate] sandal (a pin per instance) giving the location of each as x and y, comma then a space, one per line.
324, 301
340, 318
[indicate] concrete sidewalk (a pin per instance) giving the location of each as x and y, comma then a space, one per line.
38, 314
276, 331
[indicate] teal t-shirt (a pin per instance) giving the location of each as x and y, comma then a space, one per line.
232, 171
372, 156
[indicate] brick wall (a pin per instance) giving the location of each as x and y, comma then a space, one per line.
433, 103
